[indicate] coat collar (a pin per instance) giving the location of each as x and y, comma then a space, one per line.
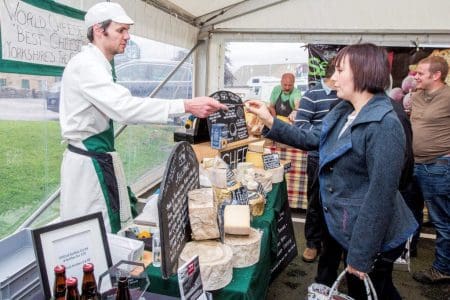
331, 146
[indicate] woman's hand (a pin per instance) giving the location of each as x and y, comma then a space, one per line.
260, 109
355, 272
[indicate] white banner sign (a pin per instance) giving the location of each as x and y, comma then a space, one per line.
38, 36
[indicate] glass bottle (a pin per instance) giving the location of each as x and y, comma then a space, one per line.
123, 293
156, 248
59, 286
72, 289
89, 285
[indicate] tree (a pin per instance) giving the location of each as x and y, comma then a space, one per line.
228, 75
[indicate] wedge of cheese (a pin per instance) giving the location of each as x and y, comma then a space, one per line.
215, 260
203, 214
237, 219
246, 248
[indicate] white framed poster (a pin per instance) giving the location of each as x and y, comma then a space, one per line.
71, 243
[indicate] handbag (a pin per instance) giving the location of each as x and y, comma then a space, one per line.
317, 291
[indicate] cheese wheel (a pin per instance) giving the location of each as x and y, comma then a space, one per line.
246, 249
257, 146
203, 214
265, 178
215, 260
277, 174
237, 219
257, 205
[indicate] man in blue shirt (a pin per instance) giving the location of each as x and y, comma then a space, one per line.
314, 105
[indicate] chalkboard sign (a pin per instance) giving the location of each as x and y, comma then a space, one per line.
271, 161
286, 245
234, 156
239, 196
234, 118
180, 177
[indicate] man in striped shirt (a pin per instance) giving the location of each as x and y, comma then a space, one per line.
314, 105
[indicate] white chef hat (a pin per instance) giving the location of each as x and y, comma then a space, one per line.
103, 11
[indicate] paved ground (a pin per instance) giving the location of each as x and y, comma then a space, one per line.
293, 282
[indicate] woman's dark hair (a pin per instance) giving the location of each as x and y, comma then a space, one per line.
90, 32
369, 64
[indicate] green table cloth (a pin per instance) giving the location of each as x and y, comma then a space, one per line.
250, 282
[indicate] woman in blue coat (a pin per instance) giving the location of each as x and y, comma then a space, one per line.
361, 154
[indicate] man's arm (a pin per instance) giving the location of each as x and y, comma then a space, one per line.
305, 112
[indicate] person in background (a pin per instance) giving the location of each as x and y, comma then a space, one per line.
285, 98
358, 173
92, 178
430, 118
314, 106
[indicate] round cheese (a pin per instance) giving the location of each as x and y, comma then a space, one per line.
215, 260
246, 249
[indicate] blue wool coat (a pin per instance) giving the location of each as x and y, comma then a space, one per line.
359, 175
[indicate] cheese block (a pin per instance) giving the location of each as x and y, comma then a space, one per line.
237, 219
221, 195
203, 214
246, 249
215, 260
257, 146
257, 205
265, 178
218, 177
277, 174
255, 158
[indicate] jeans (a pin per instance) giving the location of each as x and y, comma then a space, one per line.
434, 181
314, 221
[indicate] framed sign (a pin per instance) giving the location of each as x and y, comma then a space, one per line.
71, 243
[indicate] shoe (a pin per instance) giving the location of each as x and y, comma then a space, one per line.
431, 275
309, 255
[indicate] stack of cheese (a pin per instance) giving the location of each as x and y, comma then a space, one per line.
215, 258
244, 241
254, 156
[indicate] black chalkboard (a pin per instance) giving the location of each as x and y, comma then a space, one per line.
234, 118
180, 177
286, 244
271, 161
234, 156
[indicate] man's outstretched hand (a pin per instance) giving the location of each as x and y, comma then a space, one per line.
202, 107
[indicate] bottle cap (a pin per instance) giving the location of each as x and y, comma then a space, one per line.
60, 269
71, 281
88, 267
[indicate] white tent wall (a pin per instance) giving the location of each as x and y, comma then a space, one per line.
402, 23
150, 22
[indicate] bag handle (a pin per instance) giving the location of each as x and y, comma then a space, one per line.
370, 289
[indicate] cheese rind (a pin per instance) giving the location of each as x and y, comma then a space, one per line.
215, 260
246, 249
237, 219
203, 214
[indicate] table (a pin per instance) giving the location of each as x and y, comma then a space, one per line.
250, 282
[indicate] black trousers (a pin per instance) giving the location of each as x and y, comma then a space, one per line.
315, 222
381, 273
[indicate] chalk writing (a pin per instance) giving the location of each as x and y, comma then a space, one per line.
34, 35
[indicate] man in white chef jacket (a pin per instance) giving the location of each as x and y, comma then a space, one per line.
92, 177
